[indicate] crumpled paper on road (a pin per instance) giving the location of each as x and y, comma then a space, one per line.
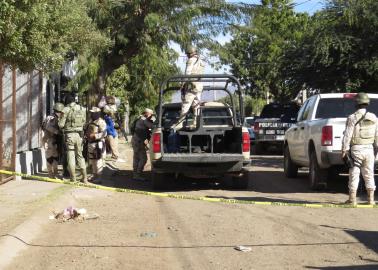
72, 213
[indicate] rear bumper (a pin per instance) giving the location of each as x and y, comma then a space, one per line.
279, 139
200, 164
331, 158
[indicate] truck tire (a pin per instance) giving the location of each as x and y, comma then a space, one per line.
317, 176
290, 169
160, 181
240, 182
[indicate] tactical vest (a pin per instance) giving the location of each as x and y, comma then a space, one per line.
76, 118
364, 131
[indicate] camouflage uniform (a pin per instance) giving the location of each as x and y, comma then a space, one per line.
51, 130
141, 134
96, 133
359, 139
192, 96
72, 123
191, 92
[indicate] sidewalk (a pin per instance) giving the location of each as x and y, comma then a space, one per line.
20, 199
25, 205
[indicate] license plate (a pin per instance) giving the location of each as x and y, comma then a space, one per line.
280, 138
270, 132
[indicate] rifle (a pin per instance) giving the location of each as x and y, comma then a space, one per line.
121, 127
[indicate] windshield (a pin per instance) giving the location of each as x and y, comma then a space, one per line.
341, 108
286, 112
250, 121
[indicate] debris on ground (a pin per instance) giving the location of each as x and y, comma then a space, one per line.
71, 213
148, 234
243, 248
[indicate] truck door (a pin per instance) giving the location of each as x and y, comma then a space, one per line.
303, 131
293, 135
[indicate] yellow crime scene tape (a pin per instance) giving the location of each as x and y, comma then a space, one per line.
185, 197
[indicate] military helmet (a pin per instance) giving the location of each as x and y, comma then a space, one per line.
59, 107
190, 49
362, 98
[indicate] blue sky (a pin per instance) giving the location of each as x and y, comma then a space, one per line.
309, 6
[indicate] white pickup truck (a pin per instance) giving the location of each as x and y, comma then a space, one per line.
315, 140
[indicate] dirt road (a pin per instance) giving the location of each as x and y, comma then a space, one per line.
141, 232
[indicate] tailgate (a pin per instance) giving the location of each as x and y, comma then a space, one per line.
201, 157
272, 127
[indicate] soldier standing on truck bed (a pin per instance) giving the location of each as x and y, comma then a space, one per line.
72, 124
191, 91
361, 139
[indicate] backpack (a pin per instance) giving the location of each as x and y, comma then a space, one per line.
133, 126
77, 116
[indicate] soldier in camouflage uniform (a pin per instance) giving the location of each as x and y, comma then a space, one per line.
72, 124
191, 92
51, 129
361, 139
96, 133
139, 142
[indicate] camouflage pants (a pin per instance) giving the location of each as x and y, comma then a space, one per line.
191, 99
96, 160
139, 156
113, 143
363, 157
51, 155
74, 146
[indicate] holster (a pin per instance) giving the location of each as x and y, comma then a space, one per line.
348, 160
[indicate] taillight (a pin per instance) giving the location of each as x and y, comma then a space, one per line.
246, 143
156, 147
349, 95
327, 136
256, 127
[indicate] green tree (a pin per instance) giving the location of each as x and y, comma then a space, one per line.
257, 52
340, 50
141, 32
38, 34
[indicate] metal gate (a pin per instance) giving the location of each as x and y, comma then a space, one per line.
7, 121
21, 114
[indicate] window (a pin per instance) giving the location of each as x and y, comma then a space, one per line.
224, 113
310, 104
341, 107
301, 111
286, 112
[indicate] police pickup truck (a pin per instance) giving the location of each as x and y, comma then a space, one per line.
270, 127
217, 146
315, 140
